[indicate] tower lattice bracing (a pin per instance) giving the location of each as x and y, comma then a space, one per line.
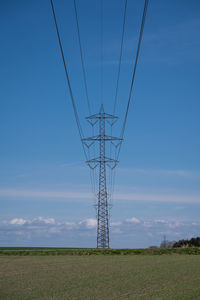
102, 162
102, 213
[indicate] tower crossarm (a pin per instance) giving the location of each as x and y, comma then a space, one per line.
100, 138
105, 160
102, 115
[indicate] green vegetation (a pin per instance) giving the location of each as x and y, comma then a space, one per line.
100, 277
93, 251
193, 242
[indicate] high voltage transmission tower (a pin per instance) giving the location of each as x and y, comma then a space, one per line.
102, 164
103, 161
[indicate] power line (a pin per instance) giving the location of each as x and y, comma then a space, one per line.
68, 80
101, 53
134, 70
112, 175
82, 60
120, 56
66, 73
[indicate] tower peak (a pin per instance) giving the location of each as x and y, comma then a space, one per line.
101, 109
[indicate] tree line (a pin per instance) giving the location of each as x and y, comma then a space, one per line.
193, 242
165, 244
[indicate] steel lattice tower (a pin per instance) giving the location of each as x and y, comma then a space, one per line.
102, 161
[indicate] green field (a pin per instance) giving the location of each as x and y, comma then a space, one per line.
100, 277
33, 251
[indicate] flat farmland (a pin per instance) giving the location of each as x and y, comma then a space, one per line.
100, 277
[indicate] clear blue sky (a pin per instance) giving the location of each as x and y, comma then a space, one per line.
45, 193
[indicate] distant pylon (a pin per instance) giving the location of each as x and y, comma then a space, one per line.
102, 161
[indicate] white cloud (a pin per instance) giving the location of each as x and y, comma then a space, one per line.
125, 193
147, 224
18, 221
158, 197
133, 220
160, 221
159, 172
69, 225
46, 221
54, 230
43, 229
162, 196
113, 224
44, 194
51, 223
175, 224
32, 223
89, 223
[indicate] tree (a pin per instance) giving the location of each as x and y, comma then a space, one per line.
193, 242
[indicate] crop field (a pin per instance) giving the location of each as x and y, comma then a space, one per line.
100, 276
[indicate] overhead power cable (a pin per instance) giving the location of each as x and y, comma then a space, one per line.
134, 70
120, 56
101, 53
82, 60
68, 80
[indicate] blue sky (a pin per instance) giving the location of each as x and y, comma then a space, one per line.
45, 192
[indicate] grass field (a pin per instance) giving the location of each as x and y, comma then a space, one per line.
100, 277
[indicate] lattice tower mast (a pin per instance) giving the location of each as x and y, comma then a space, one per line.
102, 162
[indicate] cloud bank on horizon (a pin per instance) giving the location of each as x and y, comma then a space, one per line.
130, 233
